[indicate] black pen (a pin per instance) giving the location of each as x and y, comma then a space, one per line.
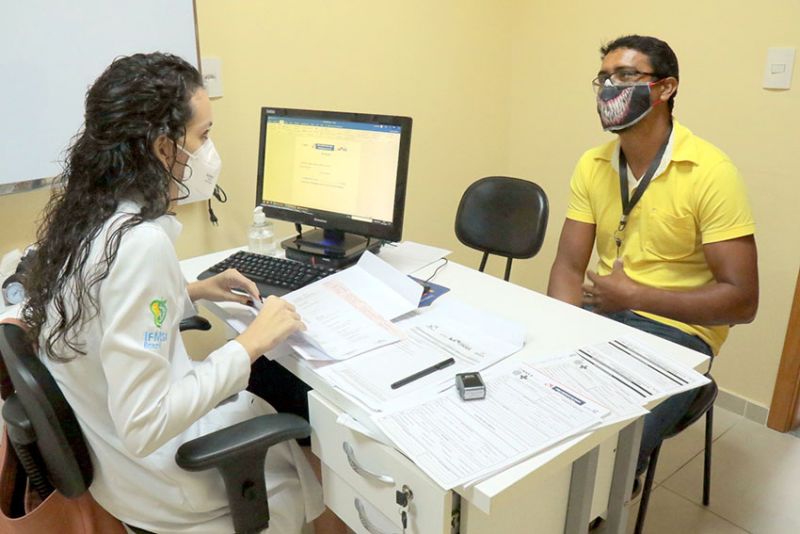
425, 372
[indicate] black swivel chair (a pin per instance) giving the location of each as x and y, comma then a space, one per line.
503, 216
702, 404
48, 441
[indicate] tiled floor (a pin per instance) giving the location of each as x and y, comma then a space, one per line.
755, 485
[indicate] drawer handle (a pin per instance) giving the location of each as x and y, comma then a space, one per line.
366, 473
365, 521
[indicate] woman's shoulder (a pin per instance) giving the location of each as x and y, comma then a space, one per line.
139, 233
146, 240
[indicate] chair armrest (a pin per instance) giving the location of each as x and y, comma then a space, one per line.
195, 322
229, 444
239, 452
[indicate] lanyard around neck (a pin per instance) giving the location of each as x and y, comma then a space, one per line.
629, 203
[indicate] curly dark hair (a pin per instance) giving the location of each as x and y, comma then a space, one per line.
661, 56
135, 101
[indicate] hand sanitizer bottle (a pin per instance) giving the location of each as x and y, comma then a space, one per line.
260, 235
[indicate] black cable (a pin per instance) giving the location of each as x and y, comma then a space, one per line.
220, 194
436, 271
222, 197
211, 215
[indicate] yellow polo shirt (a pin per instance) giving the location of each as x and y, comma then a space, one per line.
697, 198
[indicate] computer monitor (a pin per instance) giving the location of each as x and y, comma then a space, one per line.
343, 173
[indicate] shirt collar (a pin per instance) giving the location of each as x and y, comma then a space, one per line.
171, 226
682, 148
169, 223
662, 165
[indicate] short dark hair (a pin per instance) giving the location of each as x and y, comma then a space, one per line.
662, 58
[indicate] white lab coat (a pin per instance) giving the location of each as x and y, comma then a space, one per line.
138, 397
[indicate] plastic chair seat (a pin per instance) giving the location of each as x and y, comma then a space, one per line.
700, 405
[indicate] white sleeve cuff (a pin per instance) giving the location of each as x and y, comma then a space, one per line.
234, 357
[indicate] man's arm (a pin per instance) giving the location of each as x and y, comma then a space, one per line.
572, 258
731, 299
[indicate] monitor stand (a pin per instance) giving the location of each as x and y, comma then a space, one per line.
333, 248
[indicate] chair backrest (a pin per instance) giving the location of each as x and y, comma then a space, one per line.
504, 216
58, 436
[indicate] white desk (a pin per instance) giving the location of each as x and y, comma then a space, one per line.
559, 490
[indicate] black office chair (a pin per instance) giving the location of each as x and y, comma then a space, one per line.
702, 404
503, 216
48, 441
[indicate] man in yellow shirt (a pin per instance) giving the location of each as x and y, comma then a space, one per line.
669, 215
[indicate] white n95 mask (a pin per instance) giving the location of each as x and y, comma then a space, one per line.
201, 172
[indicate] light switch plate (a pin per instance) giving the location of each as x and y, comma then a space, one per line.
212, 76
778, 70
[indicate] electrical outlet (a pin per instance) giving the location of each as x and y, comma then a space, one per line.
211, 68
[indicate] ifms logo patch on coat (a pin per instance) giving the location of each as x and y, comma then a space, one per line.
158, 307
154, 339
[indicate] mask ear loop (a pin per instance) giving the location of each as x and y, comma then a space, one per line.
653, 84
184, 190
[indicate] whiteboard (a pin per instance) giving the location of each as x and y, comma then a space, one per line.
51, 52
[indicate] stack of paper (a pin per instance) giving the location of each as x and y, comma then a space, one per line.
474, 339
456, 442
529, 407
621, 375
350, 312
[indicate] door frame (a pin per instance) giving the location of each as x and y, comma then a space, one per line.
784, 412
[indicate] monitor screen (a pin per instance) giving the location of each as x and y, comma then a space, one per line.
337, 171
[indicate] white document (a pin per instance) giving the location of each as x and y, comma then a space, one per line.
450, 329
239, 317
408, 256
640, 370
456, 442
348, 421
620, 374
350, 312
573, 372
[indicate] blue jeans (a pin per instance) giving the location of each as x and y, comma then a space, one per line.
662, 419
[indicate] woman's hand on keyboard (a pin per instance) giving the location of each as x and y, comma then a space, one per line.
276, 321
221, 288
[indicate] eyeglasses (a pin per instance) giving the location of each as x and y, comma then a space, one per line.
620, 77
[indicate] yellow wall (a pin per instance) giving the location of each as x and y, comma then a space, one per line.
443, 63
501, 87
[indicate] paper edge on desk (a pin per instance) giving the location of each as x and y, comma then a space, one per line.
433, 254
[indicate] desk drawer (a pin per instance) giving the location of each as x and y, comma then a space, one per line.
352, 508
376, 472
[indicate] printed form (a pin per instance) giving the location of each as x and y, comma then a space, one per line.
346, 313
620, 375
350, 312
457, 442
474, 339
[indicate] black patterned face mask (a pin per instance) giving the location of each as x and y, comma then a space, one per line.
622, 106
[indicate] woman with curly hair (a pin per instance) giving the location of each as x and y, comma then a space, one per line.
106, 297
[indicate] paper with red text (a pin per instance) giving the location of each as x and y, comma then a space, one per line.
351, 312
